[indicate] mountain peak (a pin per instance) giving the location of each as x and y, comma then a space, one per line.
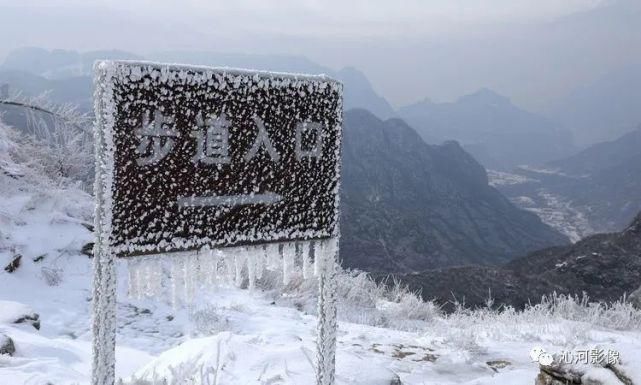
485, 96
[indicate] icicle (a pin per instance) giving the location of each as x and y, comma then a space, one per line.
239, 260
228, 265
158, 275
143, 283
273, 256
177, 280
259, 261
190, 269
149, 275
201, 275
212, 263
289, 253
161, 279
250, 255
131, 279
146, 276
318, 253
139, 280
306, 251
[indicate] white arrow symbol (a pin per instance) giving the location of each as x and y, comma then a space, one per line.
229, 200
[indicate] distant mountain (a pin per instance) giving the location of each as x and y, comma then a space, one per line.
58, 63
596, 190
604, 266
498, 134
34, 67
358, 91
75, 90
409, 206
604, 109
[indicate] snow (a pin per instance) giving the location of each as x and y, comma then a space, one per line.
244, 338
601, 376
12, 311
263, 336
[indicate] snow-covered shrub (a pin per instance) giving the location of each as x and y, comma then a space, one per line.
208, 320
557, 319
55, 147
411, 306
186, 373
357, 288
360, 299
620, 315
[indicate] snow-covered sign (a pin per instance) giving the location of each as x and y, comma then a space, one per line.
197, 156
191, 158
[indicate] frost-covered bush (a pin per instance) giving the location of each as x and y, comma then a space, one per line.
55, 147
557, 319
360, 300
208, 320
186, 373
620, 315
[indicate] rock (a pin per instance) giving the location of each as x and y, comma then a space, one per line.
18, 313
558, 375
396, 380
6, 345
497, 365
544, 378
14, 265
87, 249
33, 319
564, 374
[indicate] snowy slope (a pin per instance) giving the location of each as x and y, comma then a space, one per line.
228, 335
254, 338
239, 337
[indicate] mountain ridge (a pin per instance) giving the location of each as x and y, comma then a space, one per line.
407, 205
604, 267
60, 66
488, 125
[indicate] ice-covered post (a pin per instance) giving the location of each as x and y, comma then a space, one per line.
104, 318
104, 285
327, 325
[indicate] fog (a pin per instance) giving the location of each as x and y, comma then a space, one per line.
533, 51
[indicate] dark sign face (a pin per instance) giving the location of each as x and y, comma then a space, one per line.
194, 156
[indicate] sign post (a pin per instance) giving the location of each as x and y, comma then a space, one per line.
195, 157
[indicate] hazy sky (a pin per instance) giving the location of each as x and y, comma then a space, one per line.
530, 50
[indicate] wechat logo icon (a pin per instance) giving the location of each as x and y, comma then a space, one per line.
538, 354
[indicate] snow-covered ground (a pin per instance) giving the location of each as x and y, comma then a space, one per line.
242, 337
228, 335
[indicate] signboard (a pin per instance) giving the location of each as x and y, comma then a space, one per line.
197, 156
193, 157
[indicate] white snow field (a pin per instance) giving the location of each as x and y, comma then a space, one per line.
225, 335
